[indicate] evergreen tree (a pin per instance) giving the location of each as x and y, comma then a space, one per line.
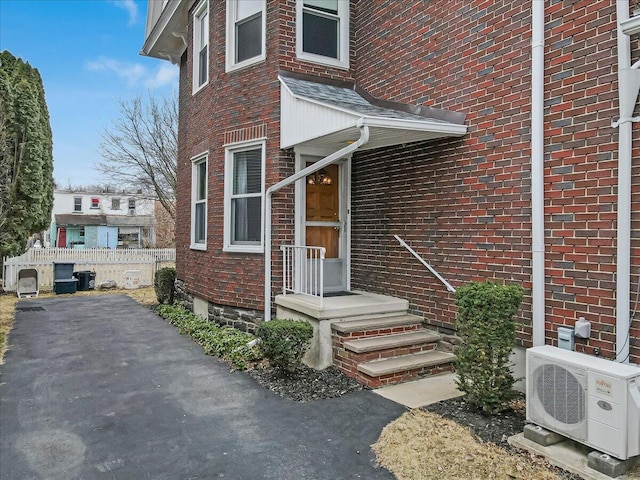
26, 159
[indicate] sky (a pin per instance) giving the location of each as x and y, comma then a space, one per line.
87, 54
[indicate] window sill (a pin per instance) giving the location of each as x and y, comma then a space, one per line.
198, 246
243, 249
245, 64
319, 59
200, 88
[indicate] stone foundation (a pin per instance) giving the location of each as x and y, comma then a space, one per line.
239, 318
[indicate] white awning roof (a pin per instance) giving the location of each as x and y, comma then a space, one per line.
321, 115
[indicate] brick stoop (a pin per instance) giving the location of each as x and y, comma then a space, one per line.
388, 349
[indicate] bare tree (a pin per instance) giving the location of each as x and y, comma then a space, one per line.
140, 149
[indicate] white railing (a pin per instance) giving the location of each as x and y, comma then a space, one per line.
107, 263
431, 269
303, 270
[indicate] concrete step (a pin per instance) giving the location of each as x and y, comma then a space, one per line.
377, 323
378, 368
384, 342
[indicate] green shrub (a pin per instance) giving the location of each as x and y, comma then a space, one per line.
485, 323
164, 285
284, 342
225, 342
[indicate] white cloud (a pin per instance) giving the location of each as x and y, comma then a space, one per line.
130, 7
136, 74
131, 72
165, 75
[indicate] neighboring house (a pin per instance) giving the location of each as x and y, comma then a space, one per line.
101, 220
480, 133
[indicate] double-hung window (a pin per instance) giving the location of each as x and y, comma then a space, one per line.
115, 204
244, 191
77, 204
201, 46
199, 203
245, 32
322, 34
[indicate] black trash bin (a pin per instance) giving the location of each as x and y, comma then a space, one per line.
84, 280
92, 280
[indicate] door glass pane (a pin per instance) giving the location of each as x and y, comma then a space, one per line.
249, 38
319, 35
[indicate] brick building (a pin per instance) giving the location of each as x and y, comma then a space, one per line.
479, 133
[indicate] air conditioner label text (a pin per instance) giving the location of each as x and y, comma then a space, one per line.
604, 387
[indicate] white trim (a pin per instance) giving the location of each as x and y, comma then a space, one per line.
195, 162
228, 188
230, 62
198, 12
343, 38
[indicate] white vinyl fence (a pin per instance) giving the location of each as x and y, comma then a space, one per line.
108, 264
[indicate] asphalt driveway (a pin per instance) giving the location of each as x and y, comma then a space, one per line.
100, 387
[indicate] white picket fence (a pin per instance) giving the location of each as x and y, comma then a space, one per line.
108, 264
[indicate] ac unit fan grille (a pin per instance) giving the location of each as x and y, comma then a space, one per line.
560, 394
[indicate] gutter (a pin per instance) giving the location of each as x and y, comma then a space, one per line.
537, 173
320, 164
628, 86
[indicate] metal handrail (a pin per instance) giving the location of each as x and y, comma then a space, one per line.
431, 269
303, 270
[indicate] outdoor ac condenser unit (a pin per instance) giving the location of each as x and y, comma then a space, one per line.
591, 400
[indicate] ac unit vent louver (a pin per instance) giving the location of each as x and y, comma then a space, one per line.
561, 394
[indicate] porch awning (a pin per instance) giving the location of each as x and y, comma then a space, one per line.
327, 114
80, 220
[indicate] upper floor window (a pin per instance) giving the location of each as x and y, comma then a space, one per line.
199, 203
115, 204
245, 32
244, 190
201, 46
132, 206
322, 35
95, 202
77, 204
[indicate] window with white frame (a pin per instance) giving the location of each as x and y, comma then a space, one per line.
77, 204
245, 32
95, 202
132, 206
244, 190
322, 33
201, 46
199, 203
115, 204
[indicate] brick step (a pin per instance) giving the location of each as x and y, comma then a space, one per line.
415, 361
377, 323
384, 342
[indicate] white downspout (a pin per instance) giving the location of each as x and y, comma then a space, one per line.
537, 172
628, 92
320, 164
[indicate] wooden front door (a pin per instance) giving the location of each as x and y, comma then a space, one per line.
323, 223
323, 211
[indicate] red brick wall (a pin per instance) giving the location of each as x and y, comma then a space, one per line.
465, 204
231, 101
462, 203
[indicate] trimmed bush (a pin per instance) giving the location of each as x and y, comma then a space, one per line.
284, 342
224, 342
164, 285
485, 323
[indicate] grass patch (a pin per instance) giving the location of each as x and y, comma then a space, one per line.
422, 445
